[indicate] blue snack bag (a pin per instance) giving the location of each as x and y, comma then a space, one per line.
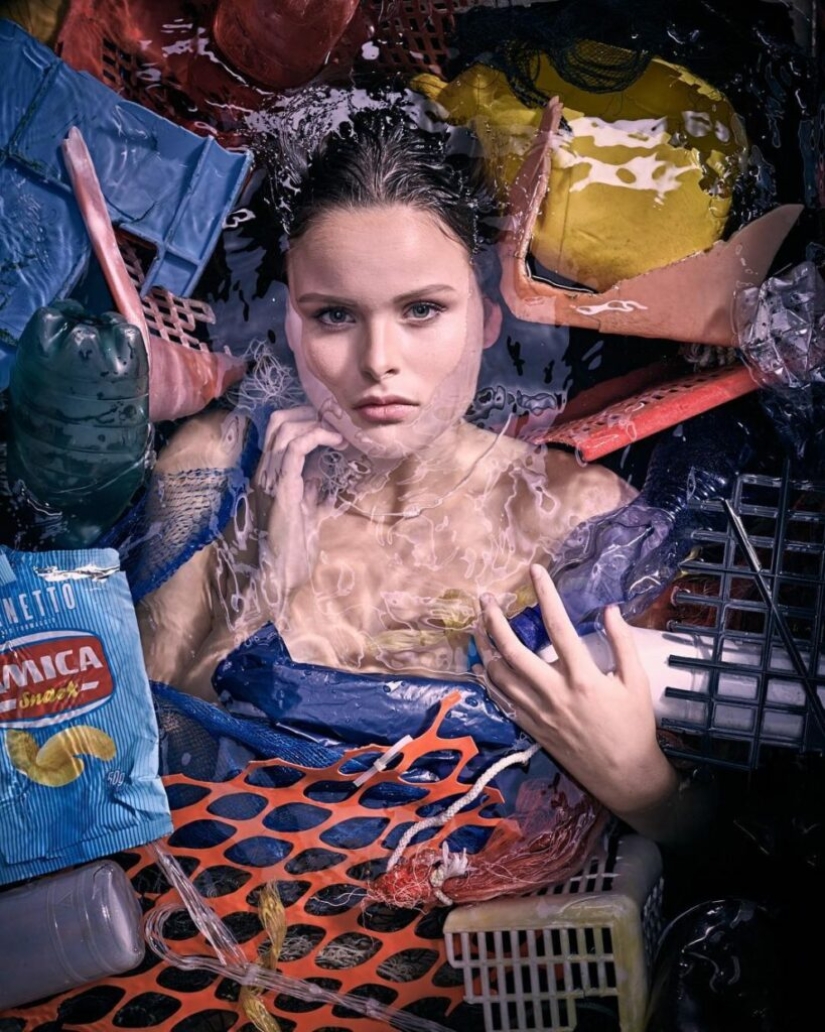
78, 735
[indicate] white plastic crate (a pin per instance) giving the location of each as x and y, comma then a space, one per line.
528, 961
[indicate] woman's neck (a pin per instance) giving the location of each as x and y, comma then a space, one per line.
386, 491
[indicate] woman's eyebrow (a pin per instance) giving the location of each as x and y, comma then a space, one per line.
430, 288
329, 299
313, 297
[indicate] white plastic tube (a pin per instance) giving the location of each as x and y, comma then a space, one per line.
67, 929
735, 686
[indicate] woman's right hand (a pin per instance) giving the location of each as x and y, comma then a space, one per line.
286, 492
600, 727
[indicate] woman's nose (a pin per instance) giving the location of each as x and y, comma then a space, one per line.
380, 352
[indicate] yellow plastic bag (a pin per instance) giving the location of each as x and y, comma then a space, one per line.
643, 178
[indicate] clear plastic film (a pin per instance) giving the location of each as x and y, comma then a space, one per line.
781, 330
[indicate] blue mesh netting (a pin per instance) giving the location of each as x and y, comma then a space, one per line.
202, 740
177, 515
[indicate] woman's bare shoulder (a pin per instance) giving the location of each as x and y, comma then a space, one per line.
584, 488
567, 478
209, 440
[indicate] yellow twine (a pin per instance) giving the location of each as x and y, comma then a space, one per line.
273, 918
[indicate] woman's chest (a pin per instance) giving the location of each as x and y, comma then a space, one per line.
406, 593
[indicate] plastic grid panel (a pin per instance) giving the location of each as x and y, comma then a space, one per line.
652, 922
129, 77
575, 945
413, 35
746, 706
173, 318
136, 80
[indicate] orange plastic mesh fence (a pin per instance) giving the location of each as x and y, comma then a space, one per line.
320, 839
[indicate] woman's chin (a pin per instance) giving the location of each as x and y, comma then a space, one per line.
397, 441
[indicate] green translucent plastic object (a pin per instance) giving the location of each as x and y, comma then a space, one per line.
79, 431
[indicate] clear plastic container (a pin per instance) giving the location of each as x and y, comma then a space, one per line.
67, 929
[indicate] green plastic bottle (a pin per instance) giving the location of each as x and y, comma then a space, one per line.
79, 432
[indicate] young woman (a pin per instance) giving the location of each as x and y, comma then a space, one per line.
382, 531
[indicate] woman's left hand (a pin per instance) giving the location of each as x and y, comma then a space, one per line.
600, 727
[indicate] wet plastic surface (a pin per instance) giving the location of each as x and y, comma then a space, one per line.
717, 971
630, 555
79, 432
766, 865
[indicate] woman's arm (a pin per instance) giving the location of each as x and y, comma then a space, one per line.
600, 727
176, 619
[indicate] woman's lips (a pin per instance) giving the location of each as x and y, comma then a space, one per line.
391, 410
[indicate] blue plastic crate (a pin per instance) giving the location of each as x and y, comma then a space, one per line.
163, 184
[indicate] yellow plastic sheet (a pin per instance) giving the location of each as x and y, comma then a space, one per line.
40, 18
642, 178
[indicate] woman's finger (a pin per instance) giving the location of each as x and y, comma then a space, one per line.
281, 417
291, 443
629, 666
570, 649
519, 700
300, 444
514, 652
499, 681
530, 684
269, 466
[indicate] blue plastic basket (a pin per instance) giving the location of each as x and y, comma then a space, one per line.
163, 184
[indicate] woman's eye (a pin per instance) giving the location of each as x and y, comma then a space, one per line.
423, 310
334, 316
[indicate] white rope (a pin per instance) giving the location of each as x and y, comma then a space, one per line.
440, 819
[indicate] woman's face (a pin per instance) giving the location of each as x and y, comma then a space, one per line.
387, 324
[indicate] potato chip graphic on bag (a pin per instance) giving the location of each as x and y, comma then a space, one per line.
78, 736
641, 178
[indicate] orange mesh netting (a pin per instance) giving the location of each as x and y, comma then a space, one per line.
321, 839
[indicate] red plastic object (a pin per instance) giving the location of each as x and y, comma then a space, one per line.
180, 320
178, 58
165, 57
280, 43
649, 411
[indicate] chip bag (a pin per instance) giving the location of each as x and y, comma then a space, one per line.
78, 735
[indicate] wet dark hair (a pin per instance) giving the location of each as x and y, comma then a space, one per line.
380, 157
